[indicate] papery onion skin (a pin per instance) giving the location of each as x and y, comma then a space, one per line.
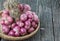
23, 31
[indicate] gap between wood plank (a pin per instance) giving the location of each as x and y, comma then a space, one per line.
53, 22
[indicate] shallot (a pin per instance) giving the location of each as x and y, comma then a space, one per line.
11, 33
26, 7
5, 29
23, 31
23, 17
31, 30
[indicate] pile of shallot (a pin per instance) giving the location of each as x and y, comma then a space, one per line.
26, 23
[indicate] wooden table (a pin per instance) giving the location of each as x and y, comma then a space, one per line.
49, 14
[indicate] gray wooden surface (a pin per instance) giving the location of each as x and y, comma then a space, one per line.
49, 13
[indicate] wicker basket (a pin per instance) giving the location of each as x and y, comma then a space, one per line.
17, 38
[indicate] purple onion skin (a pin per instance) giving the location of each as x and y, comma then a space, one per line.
13, 25
31, 30
5, 13
20, 24
33, 23
2, 22
26, 8
30, 20
16, 29
17, 34
23, 31
28, 23
27, 27
21, 7
36, 19
10, 19
23, 17
11, 33
5, 29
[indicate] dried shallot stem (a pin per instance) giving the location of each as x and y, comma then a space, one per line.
11, 5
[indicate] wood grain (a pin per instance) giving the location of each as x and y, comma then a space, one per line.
46, 20
56, 19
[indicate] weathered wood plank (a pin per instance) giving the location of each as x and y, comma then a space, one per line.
46, 20
56, 18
